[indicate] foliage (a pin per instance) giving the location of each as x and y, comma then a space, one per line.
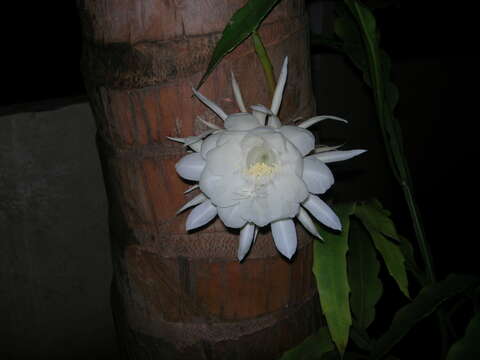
330, 269
348, 265
243, 23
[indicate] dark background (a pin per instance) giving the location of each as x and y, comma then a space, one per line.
435, 64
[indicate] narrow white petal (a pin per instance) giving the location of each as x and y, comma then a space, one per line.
274, 122
277, 95
201, 215
316, 175
214, 107
190, 167
260, 112
312, 121
180, 140
246, 239
191, 188
322, 212
196, 146
195, 201
238, 94
209, 124
303, 139
325, 148
332, 156
194, 142
285, 237
308, 223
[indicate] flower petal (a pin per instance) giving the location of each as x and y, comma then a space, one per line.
195, 142
201, 215
238, 94
241, 121
325, 148
285, 237
231, 216
339, 155
195, 146
278, 94
214, 107
274, 122
260, 112
195, 201
322, 212
303, 139
208, 144
316, 175
308, 223
191, 188
246, 239
190, 167
208, 124
307, 123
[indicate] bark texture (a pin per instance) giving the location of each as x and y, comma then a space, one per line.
179, 295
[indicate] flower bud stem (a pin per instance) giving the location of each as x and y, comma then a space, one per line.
265, 61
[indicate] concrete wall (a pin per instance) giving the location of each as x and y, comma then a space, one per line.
55, 266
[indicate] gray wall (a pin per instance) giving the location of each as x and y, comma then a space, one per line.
55, 265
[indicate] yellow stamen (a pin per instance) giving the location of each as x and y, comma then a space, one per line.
261, 169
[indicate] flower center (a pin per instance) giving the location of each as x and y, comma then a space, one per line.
261, 161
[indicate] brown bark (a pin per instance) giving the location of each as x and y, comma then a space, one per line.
179, 295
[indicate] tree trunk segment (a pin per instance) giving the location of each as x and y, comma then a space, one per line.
177, 295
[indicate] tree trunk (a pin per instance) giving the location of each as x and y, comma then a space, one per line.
177, 295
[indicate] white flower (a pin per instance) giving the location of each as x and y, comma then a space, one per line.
256, 172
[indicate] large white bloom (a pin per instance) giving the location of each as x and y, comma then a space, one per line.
256, 172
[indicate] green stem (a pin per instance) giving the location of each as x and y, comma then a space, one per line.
265, 61
390, 133
419, 233
393, 144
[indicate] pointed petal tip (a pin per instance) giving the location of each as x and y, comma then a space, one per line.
210, 104
180, 140
201, 215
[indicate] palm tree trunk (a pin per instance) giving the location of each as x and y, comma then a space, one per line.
177, 295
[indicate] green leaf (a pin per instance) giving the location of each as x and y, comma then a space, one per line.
377, 218
360, 338
410, 263
312, 348
423, 305
245, 20
468, 347
363, 269
377, 223
330, 269
346, 29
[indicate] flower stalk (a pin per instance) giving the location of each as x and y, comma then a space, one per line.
265, 61
389, 127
